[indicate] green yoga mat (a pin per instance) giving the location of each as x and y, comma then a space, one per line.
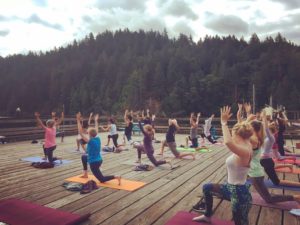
203, 150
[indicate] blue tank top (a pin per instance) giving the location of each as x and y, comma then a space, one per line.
93, 150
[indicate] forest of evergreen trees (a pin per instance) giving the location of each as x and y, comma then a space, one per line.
124, 69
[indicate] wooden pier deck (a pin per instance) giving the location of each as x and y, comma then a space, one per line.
166, 192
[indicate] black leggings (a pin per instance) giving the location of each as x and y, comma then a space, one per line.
49, 153
259, 185
95, 168
141, 149
115, 139
280, 143
269, 166
211, 140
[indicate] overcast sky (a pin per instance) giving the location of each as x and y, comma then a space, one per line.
43, 24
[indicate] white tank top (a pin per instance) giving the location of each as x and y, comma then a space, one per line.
237, 175
113, 129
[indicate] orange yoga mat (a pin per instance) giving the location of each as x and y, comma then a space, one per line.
127, 185
288, 170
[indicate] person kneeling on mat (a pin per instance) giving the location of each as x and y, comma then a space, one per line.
194, 122
147, 146
93, 156
170, 141
50, 137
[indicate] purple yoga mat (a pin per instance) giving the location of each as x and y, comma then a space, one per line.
20, 212
257, 200
185, 218
291, 154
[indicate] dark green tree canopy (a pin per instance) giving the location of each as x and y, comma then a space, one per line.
117, 70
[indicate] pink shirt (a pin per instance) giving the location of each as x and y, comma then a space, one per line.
50, 137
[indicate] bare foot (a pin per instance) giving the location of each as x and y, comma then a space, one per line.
297, 198
119, 179
291, 167
84, 176
138, 161
202, 218
193, 156
160, 153
170, 163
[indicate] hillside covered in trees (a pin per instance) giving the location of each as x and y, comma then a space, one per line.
123, 69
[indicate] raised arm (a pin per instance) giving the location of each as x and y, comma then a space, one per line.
237, 149
239, 113
176, 124
125, 117
61, 119
139, 119
247, 107
153, 117
143, 115
266, 127
79, 126
90, 119
191, 118
39, 121
198, 118
96, 118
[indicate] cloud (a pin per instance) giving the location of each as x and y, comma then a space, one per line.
138, 5
41, 3
153, 23
293, 35
6, 18
4, 33
179, 8
120, 19
34, 18
183, 28
289, 4
283, 25
226, 24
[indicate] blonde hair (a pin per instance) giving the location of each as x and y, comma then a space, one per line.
243, 129
50, 123
259, 131
148, 128
92, 132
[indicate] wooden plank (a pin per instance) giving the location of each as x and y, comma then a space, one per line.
139, 201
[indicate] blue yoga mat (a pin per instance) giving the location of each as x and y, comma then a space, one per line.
39, 159
269, 184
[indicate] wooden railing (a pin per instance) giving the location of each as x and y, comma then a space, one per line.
17, 130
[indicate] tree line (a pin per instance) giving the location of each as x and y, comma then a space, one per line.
113, 71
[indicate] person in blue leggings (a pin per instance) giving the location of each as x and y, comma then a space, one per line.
93, 156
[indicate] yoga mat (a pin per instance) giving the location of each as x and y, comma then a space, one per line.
289, 161
257, 200
291, 154
39, 159
186, 218
269, 184
20, 212
287, 170
126, 185
202, 150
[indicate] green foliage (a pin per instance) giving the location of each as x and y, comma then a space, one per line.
113, 71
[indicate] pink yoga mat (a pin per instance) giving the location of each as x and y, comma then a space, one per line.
257, 200
186, 218
290, 161
19, 212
